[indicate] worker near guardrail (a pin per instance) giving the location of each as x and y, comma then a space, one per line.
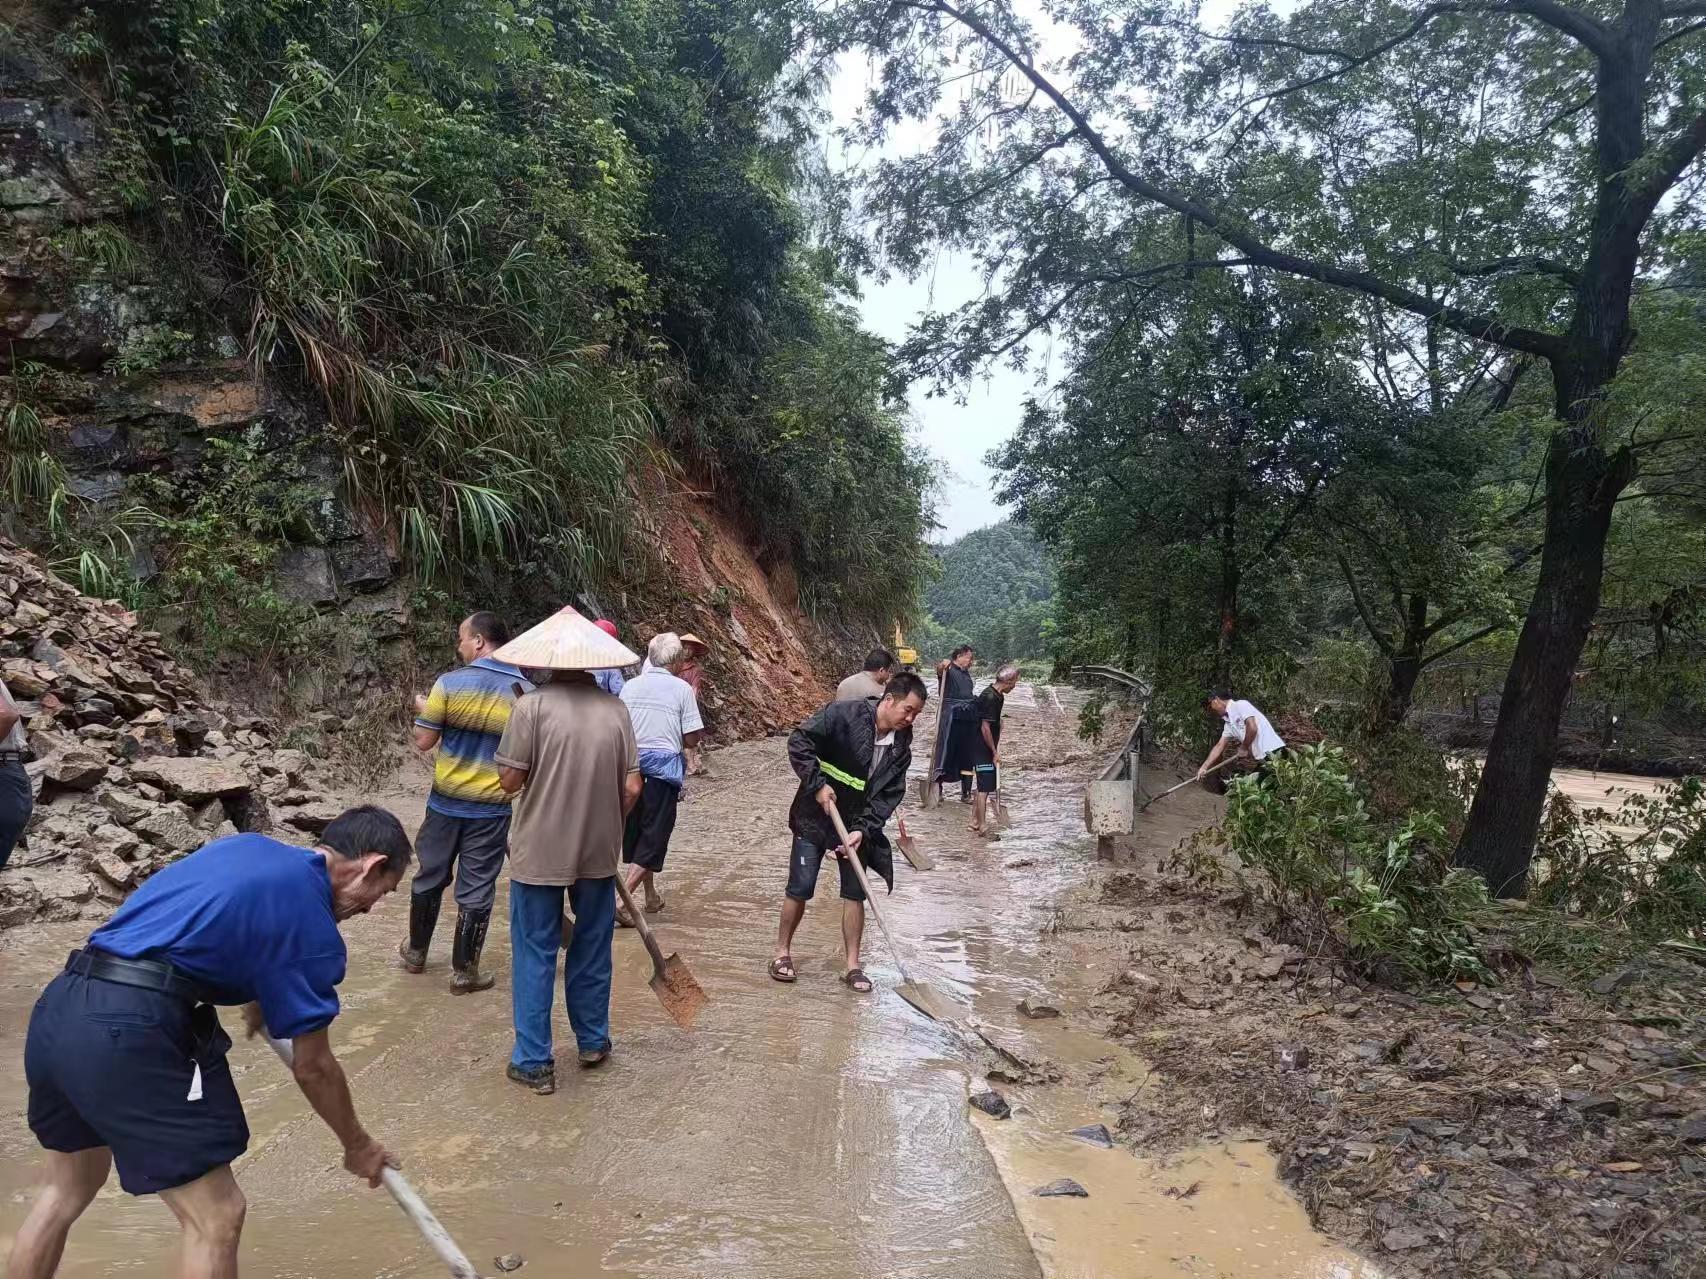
125, 1056
1244, 725
986, 746
956, 736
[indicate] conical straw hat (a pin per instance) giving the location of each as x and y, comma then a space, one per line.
566, 641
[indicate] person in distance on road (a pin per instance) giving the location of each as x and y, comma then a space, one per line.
125, 1056
986, 746
852, 756
958, 726
1245, 726
867, 685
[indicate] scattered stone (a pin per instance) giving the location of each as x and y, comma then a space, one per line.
1403, 1239
193, 780
312, 818
1610, 983
1036, 1012
1693, 1131
1484, 1002
128, 808
1603, 1066
1140, 981
169, 829
75, 769
1294, 1058
1595, 1103
115, 840
509, 1261
991, 1103
1064, 1188
1095, 1135
1271, 967
113, 868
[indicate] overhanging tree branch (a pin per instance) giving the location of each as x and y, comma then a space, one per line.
1382, 641
1485, 327
1525, 262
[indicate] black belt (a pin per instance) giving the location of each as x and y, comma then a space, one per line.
147, 974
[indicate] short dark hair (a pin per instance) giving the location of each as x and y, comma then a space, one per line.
879, 659
367, 828
1214, 694
906, 684
489, 627
963, 648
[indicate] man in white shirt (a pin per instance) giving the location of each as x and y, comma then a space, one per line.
666, 725
1244, 725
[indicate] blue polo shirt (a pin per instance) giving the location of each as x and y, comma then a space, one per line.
249, 918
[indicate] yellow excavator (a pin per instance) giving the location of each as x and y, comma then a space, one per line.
907, 656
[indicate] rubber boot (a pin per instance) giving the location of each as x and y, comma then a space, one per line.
423, 918
465, 974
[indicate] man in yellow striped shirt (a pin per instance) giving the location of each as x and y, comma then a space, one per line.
467, 821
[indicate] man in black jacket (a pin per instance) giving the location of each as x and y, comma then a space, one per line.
854, 756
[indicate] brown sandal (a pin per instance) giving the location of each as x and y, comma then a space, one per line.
857, 981
782, 969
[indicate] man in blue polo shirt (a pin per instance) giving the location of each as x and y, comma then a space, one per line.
467, 820
125, 1056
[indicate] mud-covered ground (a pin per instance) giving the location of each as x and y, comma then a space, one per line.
1523, 1130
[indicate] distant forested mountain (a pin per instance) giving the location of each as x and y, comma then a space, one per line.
994, 592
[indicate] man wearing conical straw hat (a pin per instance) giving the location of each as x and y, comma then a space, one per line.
568, 754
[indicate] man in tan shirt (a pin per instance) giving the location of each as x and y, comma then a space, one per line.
569, 750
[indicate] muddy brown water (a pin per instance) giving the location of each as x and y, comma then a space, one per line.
798, 1130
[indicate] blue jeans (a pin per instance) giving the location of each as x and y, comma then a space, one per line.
535, 928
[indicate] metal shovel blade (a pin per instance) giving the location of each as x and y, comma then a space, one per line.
915, 856
928, 794
1003, 816
928, 1000
681, 996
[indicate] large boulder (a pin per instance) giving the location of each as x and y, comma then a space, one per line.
75, 769
195, 781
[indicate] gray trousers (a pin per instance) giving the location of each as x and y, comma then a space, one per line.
472, 847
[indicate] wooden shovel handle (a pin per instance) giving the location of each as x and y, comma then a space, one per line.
639, 919
865, 884
413, 1206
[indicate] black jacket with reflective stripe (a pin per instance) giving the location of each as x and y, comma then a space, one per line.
843, 736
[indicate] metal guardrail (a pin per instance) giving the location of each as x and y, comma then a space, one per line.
1110, 802
1113, 675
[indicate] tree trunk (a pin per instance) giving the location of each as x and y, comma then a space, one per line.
1228, 587
1402, 671
1582, 483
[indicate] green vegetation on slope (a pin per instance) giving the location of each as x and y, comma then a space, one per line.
514, 250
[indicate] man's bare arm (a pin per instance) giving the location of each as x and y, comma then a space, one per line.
632, 784
511, 779
322, 1081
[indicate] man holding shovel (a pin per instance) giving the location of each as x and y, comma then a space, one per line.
666, 722
986, 748
852, 756
125, 1056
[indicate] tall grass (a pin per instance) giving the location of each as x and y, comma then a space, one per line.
473, 414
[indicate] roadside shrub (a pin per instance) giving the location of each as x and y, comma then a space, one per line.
1381, 891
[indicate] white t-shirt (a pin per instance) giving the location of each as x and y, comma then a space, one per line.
663, 709
1240, 712
14, 740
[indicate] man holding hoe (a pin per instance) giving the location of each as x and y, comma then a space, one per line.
1246, 727
125, 1056
852, 756
986, 747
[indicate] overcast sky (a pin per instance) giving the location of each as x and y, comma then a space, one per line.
962, 434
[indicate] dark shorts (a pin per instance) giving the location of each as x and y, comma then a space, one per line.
111, 1065
474, 847
985, 775
804, 861
645, 838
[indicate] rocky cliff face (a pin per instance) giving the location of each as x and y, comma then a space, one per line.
124, 351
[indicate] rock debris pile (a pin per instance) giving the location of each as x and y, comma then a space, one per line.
130, 769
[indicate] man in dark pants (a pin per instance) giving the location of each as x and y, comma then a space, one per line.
986, 747
667, 725
16, 802
853, 755
467, 821
958, 722
125, 1057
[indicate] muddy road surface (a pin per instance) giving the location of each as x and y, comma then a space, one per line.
799, 1130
